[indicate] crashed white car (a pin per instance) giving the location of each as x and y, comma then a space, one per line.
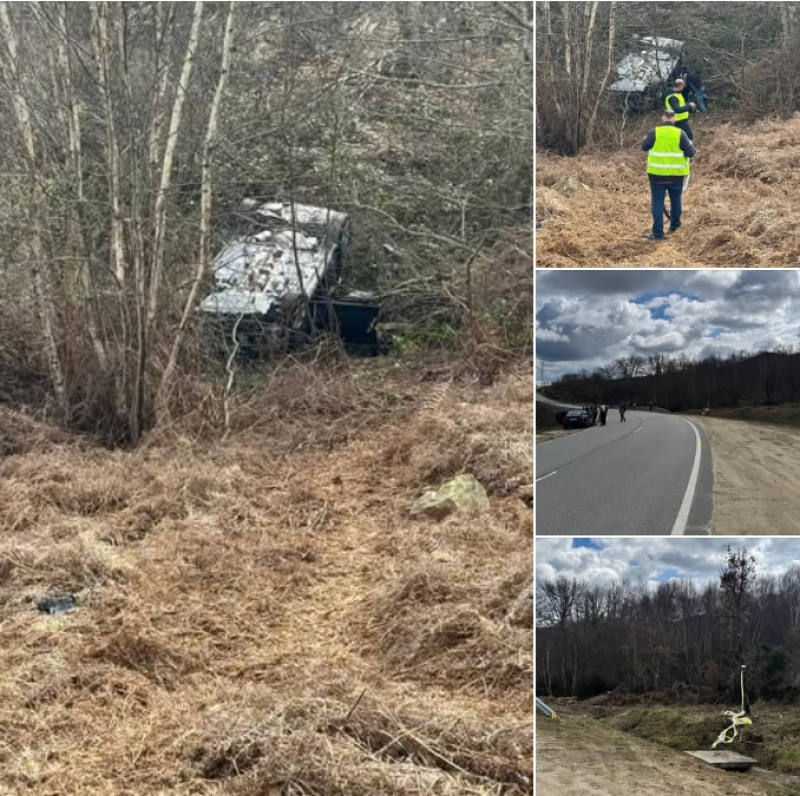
278, 268
277, 284
651, 63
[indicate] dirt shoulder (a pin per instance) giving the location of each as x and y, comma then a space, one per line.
554, 433
756, 477
579, 755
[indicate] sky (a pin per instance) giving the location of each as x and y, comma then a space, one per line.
589, 317
655, 559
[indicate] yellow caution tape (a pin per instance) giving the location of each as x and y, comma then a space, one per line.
738, 719
730, 732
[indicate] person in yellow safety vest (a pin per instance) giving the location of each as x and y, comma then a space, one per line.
676, 102
668, 153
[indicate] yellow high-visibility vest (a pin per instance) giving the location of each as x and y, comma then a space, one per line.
681, 102
666, 158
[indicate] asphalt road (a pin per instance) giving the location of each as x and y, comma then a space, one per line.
626, 479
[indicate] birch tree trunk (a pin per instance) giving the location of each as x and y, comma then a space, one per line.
590, 14
204, 260
157, 258
150, 300
40, 284
164, 16
78, 211
612, 35
102, 56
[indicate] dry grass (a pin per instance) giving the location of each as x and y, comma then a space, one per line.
741, 208
262, 617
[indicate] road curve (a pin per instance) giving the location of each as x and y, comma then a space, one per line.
635, 478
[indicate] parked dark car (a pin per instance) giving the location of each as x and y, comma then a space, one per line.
577, 418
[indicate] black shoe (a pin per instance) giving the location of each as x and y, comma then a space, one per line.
673, 229
651, 236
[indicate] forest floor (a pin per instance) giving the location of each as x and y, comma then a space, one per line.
262, 616
756, 476
584, 756
741, 208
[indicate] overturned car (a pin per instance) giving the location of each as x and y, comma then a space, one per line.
650, 63
277, 284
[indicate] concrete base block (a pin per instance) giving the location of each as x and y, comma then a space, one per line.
730, 761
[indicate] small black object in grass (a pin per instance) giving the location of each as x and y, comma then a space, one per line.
57, 605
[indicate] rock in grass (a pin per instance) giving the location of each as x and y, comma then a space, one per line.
567, 186
462, 492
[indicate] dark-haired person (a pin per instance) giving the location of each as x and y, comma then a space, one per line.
669, 152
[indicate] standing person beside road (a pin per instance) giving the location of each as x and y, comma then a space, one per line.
603, 413
675, 102
622, 413
669, 151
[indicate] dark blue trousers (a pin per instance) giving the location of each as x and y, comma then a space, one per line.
657, 195
700, 99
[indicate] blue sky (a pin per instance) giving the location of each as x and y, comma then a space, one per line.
593, 544
589, 317
659, 310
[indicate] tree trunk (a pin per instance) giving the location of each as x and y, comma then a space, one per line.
41, 286
160, 212
102, 55
78, 211
204, 260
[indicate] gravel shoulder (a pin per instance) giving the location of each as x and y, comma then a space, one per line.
580, 756
756, 477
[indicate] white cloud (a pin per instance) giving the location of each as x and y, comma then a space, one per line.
655, 559
587, 317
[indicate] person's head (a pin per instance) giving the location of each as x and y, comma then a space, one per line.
679, 85
668, 116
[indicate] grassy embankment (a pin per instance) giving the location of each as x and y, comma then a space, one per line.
742, 208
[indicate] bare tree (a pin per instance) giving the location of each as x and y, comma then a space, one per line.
41, 280
204, 258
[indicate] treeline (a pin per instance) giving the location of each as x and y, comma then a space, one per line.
683, 641
747, 54
682, 383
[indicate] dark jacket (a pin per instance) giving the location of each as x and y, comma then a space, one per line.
677, 107
687, 147
693, 82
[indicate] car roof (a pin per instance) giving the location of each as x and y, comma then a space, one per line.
650, 60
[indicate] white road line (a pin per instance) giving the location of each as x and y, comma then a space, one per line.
546, 476
638, 430
679, 527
